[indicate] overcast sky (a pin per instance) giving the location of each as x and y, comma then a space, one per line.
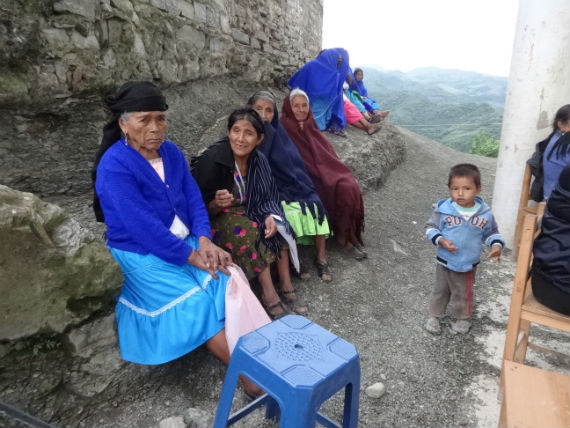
472, 35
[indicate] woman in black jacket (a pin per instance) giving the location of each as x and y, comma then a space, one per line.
551, 265
245, 210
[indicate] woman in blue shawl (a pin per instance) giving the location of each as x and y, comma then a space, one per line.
357, 86
322, 80
302, 206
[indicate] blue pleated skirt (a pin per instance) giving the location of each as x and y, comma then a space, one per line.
165, 311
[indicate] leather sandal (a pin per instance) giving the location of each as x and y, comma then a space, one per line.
270, 309
375, 118
303, 273
362, 250
297, 304
358, 253
335, 130
323, 269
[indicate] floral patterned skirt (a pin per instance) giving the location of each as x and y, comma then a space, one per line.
235, 232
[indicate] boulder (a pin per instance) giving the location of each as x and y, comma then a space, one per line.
99, 363
55, 273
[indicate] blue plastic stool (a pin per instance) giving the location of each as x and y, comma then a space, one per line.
299, 365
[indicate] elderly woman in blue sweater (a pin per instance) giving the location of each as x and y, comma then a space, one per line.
173, 296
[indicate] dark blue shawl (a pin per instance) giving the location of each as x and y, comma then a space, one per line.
323, 78
288, 168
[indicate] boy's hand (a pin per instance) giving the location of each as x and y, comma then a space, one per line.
495, 252
447, 244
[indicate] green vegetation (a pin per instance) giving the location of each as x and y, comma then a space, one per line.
484, 145
38, 343
456, 108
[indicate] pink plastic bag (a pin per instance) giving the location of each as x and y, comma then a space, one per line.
244, 313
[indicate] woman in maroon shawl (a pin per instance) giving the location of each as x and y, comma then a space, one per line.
333, 180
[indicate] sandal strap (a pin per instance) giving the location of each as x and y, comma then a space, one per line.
288, 292
277, 315
297, 304
275, 305
323, 268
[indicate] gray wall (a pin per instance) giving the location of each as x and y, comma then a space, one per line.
58, 58
50, 50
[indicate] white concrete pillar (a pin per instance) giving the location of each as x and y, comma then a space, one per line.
539, 84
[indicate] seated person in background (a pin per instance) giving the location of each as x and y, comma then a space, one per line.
244, 206
322, 80
333, 180
303, 207
357, 85
355, 99
557, 153
355, 118
173, 297
551, 250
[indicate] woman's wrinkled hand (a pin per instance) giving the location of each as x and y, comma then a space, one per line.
223, 198
195, 259
214, 257
270, 227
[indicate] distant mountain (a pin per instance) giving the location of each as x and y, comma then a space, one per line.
449, 106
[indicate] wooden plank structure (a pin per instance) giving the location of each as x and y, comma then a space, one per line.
524, 209
536, 398
531, 397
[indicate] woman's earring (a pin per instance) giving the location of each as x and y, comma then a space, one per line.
126, 138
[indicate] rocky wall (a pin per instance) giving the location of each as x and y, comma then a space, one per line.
53, 49
59, 58
54, 271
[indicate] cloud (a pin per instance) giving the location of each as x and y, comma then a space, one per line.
406, 34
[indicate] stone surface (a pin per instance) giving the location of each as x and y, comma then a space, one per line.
59, 59
89, 339
198, 418
172, 422
54, 272
376, 391
38, 34
378, 305
84, 8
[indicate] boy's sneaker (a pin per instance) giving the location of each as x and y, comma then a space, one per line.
432, 325
461, 326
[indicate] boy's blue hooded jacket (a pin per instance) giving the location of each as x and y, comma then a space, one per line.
466, 235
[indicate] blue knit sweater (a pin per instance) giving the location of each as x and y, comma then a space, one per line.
139, 207
466, 235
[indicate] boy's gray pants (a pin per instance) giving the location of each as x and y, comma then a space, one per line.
455, 289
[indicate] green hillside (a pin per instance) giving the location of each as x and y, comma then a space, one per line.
450, 106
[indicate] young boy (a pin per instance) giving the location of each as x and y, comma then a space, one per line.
458, 226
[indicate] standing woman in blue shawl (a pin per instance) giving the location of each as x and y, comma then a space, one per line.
303, 208
357, 85
322, 80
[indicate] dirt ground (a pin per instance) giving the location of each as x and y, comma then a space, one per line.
379, 305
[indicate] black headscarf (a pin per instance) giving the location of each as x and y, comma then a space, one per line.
131, 97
